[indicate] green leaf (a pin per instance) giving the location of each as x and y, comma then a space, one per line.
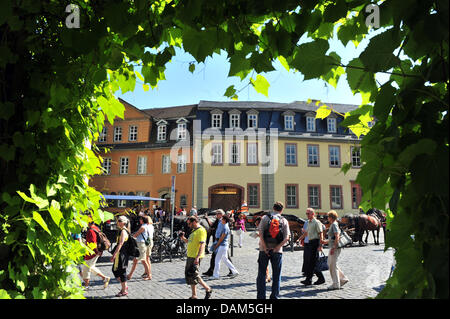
283, 62
323, 111
384, 102
191, 67
358, 78
231, 91
261, 85
38, 218
311, 61
55, 212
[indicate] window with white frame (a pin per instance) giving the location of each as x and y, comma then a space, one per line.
162, 132
234, 120
291, 154
165, 164
181, 131
291, 196
106, 166
331, 124
102, 137
181, 164
313, 155
252, 120
253, 195
310, 124
216, 153
123, 169
132, 133
142, 165
289, 122
252, 153
234, 154
314, 196
216, 120
335, 157
117, 134
336, 197
121, 202
356, 156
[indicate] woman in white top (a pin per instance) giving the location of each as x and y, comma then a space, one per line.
144, 239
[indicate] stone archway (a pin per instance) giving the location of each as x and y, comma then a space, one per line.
225, 196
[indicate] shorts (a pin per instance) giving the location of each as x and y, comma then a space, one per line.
144, 250
192, 271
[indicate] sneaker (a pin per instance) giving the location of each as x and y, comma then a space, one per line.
207, 273
106, 282
234, 275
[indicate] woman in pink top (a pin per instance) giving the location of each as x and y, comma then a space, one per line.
240, 228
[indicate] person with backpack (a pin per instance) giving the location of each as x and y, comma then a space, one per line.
90, 260
121, 254
274, 234
144, 238
311, 252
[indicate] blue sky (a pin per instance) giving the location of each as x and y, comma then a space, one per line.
209, 82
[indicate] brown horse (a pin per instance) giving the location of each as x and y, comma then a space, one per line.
378, 215
360, 224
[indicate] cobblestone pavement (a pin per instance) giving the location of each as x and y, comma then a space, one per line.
367, 268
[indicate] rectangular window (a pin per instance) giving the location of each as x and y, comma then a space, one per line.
234, 120
132, 133
123, 165
252, 121
162, 129
102, 137
356, 156
234, 154
253, 195
183, 200
314, 196
121, 202
335, 156
166, 164
289, 122
291, 196
216, 120
181, 131
117, 134
181, 164
356, 195
310, 124
252, 154
331, 124
313, 155
106, 166
336, 197
291, 154
216, 153
142, 165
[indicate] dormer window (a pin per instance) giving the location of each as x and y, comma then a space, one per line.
162, 131
235, 117
289, 120
252, 119
331, 124
216, 118
181, 129
310, 122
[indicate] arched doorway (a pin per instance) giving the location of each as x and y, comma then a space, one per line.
225, 196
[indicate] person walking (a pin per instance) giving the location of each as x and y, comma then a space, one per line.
90, 260
338, 277
221, 249
120, 255
240, 228
195, 253
311, 252
274, 234
144, 239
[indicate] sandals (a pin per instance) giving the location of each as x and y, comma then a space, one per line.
208, 294
122, 293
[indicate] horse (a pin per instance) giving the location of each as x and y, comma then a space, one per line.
361, 223
374, 212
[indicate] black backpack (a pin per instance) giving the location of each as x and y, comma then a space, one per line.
273, 233
132, 249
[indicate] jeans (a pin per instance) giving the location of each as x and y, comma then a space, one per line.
276, 259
